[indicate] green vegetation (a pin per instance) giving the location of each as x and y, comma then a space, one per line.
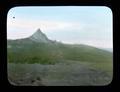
44, 53
35, 62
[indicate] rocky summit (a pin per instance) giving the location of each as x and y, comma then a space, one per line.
38, 36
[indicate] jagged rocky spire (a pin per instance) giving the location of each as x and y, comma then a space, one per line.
38, 36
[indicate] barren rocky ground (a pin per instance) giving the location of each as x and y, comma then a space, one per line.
61, 74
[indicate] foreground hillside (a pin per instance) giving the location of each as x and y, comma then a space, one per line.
62, 74
39, 61
50, 53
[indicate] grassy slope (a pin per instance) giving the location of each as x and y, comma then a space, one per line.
53, 53
41, 53
85, 59
29, 52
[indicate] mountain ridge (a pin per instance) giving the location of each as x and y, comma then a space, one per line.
38, 48
58, 60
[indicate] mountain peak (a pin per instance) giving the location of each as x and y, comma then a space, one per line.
38, 36
38, 31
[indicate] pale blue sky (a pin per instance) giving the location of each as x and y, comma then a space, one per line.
69, 24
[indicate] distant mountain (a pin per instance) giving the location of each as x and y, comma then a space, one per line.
38, 36
108, 49
39, 49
